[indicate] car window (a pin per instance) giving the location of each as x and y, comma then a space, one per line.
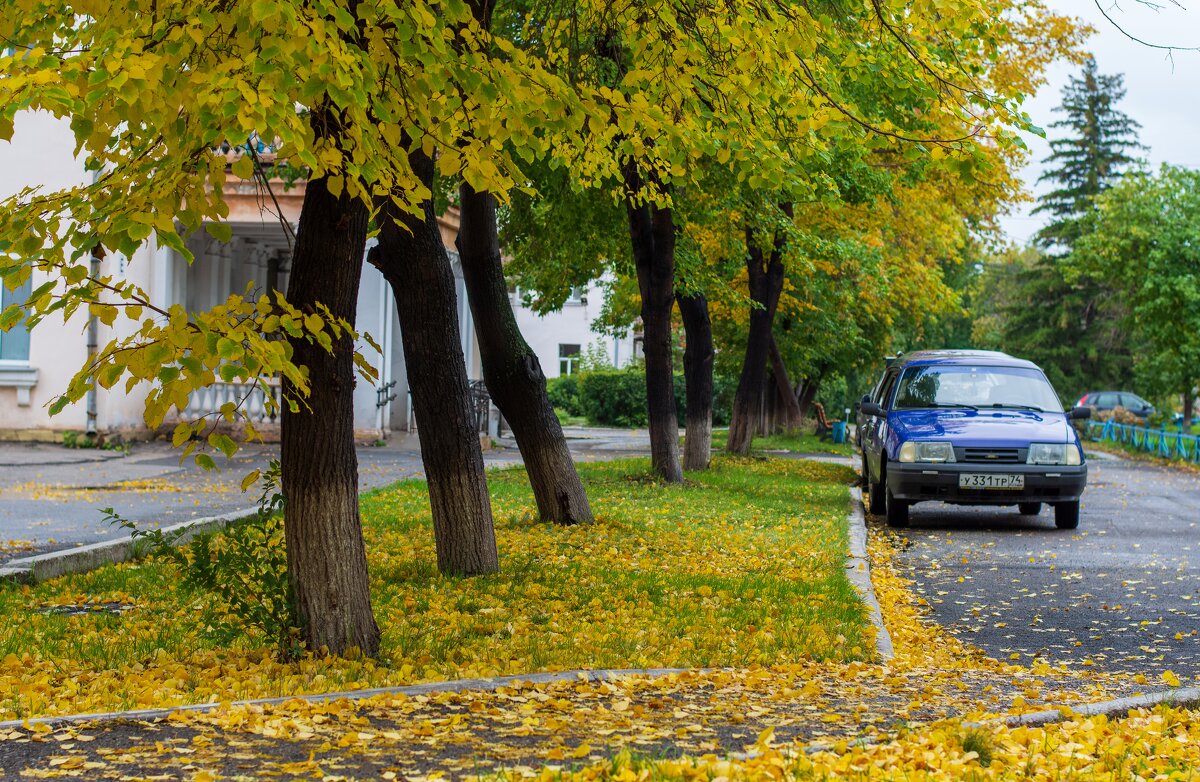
878, 389
1104, 400
975, 386
1133, 402
885, 392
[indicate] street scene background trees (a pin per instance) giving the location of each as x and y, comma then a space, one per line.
776, 196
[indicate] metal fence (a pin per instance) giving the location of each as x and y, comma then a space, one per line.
1159, 442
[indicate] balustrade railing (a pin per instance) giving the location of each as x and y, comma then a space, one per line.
249, 398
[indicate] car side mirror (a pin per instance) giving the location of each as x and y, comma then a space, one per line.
870, 408
1079, 413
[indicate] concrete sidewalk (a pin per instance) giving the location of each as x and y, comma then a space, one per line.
51, 496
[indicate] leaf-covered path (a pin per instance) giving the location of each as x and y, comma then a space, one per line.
522, 729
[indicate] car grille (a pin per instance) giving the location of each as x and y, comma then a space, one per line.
990, 455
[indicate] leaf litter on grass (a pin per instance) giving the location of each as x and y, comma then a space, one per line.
904, 715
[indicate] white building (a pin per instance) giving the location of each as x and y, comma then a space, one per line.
36, 366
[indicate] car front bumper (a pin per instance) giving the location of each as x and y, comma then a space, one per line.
940, 482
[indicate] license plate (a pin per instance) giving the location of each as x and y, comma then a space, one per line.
990, 481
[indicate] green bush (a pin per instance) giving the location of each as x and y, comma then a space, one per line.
617, 397
564, 394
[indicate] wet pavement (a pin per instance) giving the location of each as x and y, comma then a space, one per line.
1121, 593
51, 496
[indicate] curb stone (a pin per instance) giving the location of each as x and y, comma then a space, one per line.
1183, 697
858, 571
96, 555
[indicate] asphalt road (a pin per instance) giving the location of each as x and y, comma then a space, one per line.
1121, 593
51, 496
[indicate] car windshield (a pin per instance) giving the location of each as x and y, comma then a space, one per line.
976, 387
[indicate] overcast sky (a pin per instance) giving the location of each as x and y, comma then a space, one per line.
1163, 91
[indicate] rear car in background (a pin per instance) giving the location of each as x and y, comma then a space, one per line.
1107, 401
969, 427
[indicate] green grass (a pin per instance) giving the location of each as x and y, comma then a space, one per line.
742, 565
801, 442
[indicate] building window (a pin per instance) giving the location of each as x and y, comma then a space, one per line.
578, 295
568, 359
14, 343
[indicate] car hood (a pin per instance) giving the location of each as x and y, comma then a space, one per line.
1014, 428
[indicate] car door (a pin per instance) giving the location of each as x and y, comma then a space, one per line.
1105, 401
1136, 405
872, 440
862, 421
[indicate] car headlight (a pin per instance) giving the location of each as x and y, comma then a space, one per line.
1054, 453
919, 451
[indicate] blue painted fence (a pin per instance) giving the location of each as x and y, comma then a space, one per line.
1160, 442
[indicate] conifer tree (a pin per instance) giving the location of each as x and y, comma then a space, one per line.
1074, 329
1099, 146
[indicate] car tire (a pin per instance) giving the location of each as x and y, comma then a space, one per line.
1029, 508
876, 500
1066, 515
897, 511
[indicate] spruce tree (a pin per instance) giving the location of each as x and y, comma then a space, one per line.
1074, 330
1096, 150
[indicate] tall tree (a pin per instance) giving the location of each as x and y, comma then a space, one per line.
511, 369
412, 258
1145, 245
1097, 147
1076, 330
327, 563
765, 273
698, 357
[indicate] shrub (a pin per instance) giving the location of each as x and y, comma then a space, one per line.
616, 398
564, 394
244, 568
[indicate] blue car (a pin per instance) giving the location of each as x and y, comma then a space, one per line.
969, 427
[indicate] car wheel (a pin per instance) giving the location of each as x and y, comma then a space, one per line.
897, 511
876, 502
1029, 508
1066, 515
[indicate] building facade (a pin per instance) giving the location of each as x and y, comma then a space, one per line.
37, 364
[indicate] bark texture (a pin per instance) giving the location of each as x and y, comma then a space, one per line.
698, 376
511, 369
415, 263
807, 395
652, 231
766, 281
327, 564
791, 405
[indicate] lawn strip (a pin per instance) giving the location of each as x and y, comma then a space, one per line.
743, 565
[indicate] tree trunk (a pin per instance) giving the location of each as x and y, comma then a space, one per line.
652, 231
789, 404
1188, 407
698, 376
766, 283
414, 261
327, 563
511, 369
808, 392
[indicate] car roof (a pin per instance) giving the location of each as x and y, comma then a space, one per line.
992, 358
